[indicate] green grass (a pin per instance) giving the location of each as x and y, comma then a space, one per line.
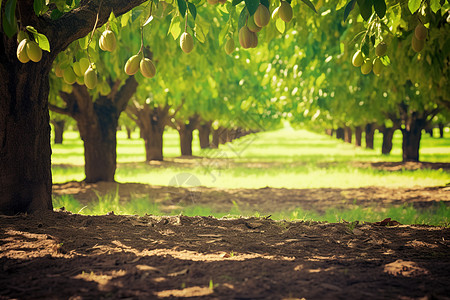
438, 215
282, 159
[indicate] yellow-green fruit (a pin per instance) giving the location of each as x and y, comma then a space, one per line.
358, 59
84, 65
366, 67
262, 16
416, 44
285, 11
90, 78
22, 35
33, 51
245, 37
132, 65
252, 26
107, 41
380, 49
22, 52
147, 68
421, 32
69, 75
80, 80
229, 46
377, 66
77, 69
186, 42
58, 71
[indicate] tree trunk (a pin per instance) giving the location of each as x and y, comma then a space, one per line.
185, 141
441, 130
25, 152
358, 136
97, 122
370, 131
154, 144
151, 122
340, 133
223, 135
412, 134
215, 138
388, 134
59, 130
129, 131
204, 131
348, 135
185, 131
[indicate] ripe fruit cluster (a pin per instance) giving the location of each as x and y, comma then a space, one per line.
419, 37
367, 65
81, 72
27, 49
145, 65
247, 34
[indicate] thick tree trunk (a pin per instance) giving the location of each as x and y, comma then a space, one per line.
154, 144
388, 134
25, 167
185, 141
370, 131
223, 135
348, 135
204, 130
340, 133
59, 130
97, 122
185, 131
151, 122
358, 136
412, 134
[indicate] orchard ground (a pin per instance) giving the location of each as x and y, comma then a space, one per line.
282, 183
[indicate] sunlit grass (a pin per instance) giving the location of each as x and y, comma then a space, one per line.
285, 158
438, 215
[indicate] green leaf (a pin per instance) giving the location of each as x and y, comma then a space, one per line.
310, 5
40, 38
380, 8
267, 4
56, 14
199, 33
84, 42
252, 6
365, 8
38, 5
223, 33
192, 9
242, 18
10, 11
385, 60
414, 5
281, 25
348, 8
182, 7
236, 2
435, 5
174, 27
341, 4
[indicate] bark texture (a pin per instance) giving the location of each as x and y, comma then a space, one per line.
370, 131
204, 131
25, 152
358, 136
58, 126
185, 130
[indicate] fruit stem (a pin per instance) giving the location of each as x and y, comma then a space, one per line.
93, 31
185, 19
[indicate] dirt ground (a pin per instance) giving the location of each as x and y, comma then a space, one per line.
61, 255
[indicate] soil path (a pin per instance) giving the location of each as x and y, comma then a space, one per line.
63, 256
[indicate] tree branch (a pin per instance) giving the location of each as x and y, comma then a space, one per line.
125, 93
59, 110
